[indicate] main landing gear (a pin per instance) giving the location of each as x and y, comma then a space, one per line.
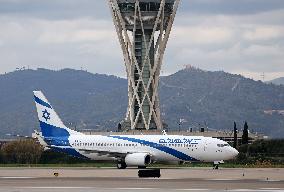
142, 172
121, 165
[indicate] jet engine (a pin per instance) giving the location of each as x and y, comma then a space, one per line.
138, 159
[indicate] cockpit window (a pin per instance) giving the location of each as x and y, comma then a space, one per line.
222, 145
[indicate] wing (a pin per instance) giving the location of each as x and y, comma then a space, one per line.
108, 153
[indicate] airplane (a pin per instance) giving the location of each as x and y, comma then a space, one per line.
126, 150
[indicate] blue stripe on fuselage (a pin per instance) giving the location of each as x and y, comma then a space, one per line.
58, 138
173, 152
69, 151
41, 102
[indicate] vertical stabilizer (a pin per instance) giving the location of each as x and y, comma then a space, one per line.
50, 123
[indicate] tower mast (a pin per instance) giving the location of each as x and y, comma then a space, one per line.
143, 28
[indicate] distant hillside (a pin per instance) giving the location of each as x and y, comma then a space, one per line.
278, 81
218, 98
94, 101
82, 99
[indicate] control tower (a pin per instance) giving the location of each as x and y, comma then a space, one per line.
143, 28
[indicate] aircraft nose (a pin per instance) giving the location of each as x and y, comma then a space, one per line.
233, 152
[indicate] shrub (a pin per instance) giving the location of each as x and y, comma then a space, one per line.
26, 151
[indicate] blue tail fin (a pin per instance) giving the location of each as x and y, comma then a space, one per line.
50, 123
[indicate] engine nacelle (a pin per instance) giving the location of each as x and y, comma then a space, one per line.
138, 159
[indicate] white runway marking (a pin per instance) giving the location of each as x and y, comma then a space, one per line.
17, 177
222, 179
270, 180
137, 188
155, 189
244, 190
56, 187
192, 189
260, 190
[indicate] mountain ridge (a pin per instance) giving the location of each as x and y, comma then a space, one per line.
277, 81
97, 101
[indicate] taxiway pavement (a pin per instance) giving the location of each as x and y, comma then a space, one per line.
111, 179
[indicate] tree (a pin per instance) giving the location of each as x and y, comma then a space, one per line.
235, 136
26, 151
245, 134
1, 156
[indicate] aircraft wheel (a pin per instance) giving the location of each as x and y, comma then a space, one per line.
216, 167
121, 165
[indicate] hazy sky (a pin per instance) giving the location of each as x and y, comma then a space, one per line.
238, 36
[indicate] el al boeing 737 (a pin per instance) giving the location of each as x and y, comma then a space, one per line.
127, 150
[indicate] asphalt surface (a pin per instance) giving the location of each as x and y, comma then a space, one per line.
110, 179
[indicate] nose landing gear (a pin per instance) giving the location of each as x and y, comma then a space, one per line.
216, 164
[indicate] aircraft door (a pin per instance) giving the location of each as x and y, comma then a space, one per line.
205, 145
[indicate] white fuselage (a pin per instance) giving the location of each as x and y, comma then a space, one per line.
160, 147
